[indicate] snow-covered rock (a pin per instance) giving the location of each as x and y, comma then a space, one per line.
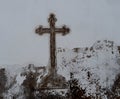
96, 69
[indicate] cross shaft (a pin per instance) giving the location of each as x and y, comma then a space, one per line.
52, 30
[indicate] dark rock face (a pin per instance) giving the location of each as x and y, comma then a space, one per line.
2, 82
29, 86
30, 82
114, 93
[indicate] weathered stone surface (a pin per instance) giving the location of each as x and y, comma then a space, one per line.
2, 82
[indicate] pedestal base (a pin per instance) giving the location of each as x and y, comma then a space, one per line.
53, 82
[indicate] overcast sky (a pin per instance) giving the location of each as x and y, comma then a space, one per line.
89, 20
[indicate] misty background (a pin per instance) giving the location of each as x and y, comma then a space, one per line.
89, 20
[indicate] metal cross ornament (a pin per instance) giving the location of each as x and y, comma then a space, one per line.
52, 30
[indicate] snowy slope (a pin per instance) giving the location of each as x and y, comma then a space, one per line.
95, 68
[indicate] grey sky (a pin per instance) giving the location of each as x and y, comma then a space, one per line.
89, 20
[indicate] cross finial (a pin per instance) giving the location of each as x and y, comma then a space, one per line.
52, 30
52, 19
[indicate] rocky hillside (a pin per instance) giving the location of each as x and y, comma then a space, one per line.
96, 68
91, 73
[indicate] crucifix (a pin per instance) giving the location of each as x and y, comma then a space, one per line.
52, 31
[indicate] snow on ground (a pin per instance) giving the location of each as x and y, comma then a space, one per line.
95, 68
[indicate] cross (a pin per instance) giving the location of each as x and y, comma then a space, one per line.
52, 31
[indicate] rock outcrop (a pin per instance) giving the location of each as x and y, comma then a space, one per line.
90, 73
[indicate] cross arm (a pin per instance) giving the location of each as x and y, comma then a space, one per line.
40, 30
64, 30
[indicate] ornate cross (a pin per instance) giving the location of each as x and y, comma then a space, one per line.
52, 30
